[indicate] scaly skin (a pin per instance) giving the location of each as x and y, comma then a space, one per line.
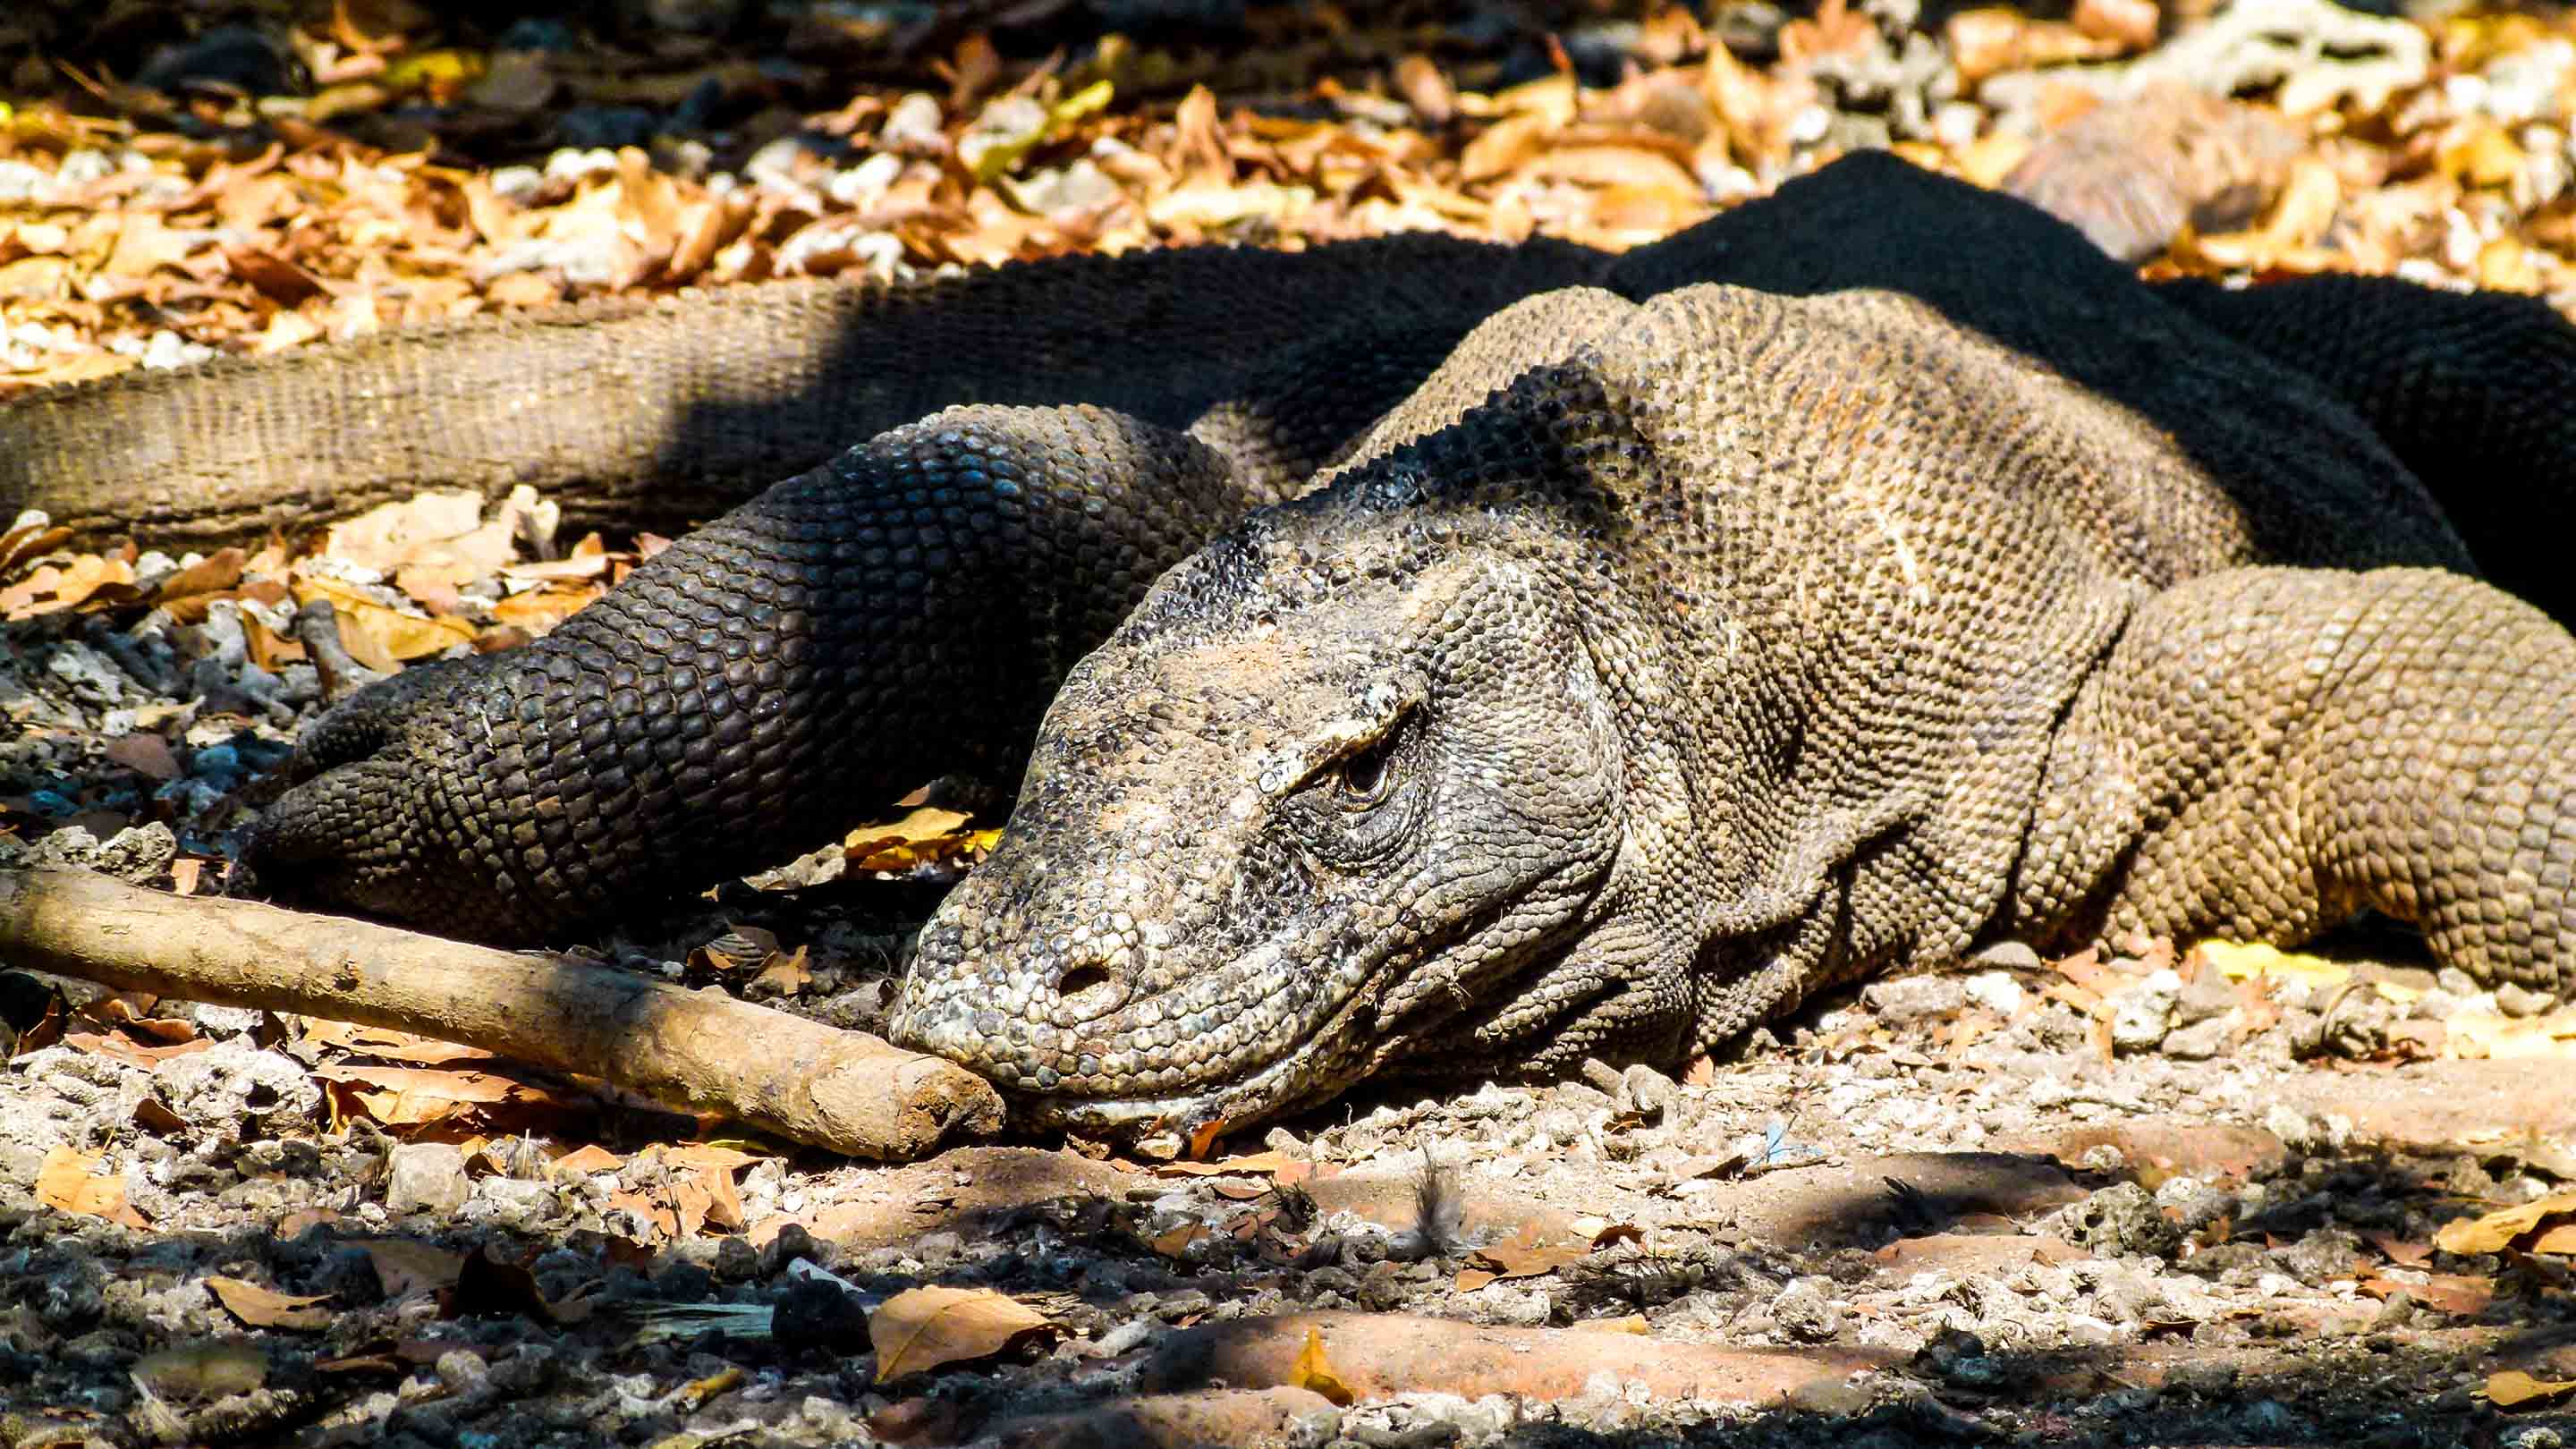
1671, 683
1748, 638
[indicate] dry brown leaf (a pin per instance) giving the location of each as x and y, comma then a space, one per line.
1314, 1372
2455, 1293
1617, 1233
435, 525
589, 1158
2399, 1251
50, 589
29, 541
1990, 158
538, 611
2506, 265
36, 277
2508, 1388
922, 1328
377, 636
1834, 28
267, 1308
413, 1098
214, 573
384, 1041
1425, 89
147, 754
1525, 1256
2487, 1034
1176, 1241
2498, 1230
64, 1182
523, 289
1505, 146
2484, 154
712, 1199
1989, 40
925, 836
2131, 23
2290, 233
120, 1047
277, 279
2451, 1293
405, 1267
143, 243
785, 973
707, 1154
1555, 97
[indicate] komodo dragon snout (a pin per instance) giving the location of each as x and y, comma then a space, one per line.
1296, 819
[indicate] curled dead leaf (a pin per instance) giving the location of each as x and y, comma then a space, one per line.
922, 1328
2499, 1230
65, 1182
267, 1308
2510, 1388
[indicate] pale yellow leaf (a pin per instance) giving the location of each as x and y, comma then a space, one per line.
2244, 962
1315, 1373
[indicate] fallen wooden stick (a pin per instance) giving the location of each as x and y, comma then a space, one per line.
1375, 1355
843, 1090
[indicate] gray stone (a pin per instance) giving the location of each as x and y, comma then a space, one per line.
235, 1092
1909, 999
1806, 1311
2199, 1041
426, 1177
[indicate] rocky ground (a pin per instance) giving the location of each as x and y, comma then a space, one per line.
2141, 1196
2099, 1202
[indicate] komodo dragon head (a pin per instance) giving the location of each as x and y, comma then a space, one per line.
1343, 776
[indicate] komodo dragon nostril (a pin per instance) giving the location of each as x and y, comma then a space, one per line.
1085, 990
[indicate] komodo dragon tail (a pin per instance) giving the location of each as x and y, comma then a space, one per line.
2475, 394
661, 412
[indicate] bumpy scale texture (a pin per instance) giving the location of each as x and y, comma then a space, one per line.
1657, 654
1742, 644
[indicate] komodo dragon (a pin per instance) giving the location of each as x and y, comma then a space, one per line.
1871, 572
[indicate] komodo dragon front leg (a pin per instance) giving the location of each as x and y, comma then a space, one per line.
904, 610
2269, 751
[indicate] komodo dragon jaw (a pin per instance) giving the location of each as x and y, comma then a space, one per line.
1305, 811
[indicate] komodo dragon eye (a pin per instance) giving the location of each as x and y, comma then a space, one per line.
1362, 781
